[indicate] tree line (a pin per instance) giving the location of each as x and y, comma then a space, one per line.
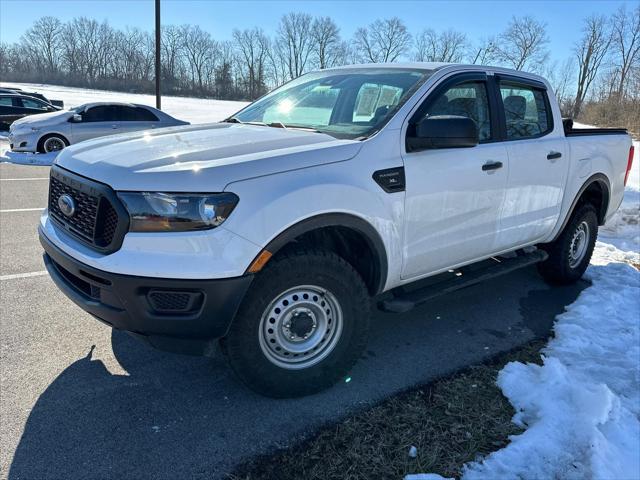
602, 72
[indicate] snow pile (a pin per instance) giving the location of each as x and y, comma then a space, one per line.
623, 229
581, 408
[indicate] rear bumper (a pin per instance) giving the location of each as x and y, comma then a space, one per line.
182, 316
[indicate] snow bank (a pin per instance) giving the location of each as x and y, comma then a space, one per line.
623, 229
581, 408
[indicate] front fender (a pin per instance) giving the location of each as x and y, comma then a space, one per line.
272, 205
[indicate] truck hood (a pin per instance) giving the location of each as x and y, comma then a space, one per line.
203, 158
43, 119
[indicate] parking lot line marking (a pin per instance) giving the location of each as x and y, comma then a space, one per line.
23, 275
22, 179
13, 210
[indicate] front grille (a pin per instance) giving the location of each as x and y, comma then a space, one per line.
83, 222
107, 223
98, 220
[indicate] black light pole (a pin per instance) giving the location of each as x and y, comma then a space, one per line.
158, 65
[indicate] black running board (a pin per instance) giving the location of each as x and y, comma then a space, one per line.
403, 301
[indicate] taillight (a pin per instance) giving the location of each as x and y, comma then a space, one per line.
629, 162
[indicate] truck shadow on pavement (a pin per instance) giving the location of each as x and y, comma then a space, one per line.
186, 417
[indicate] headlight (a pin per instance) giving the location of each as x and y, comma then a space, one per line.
177, 212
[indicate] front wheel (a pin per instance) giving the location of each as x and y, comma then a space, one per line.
52, 143
302, 326
570, 253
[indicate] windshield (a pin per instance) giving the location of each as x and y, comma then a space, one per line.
344, 103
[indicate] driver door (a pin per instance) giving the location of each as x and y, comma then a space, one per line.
454, 196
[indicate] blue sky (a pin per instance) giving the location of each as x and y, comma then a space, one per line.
476, 18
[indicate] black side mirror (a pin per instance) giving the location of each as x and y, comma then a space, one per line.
442, 131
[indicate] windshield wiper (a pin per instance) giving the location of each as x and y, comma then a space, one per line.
237, 120
299, 127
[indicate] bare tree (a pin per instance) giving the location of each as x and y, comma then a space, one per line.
382, 41
45, 39
484, 52
294, 39
590, 51
561, 76
171, 49
253, 49
625, 44
522, 45
197, 46
448, 46
326, 45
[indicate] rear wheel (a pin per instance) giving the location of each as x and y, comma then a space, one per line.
570, 253
302, 326
52, 143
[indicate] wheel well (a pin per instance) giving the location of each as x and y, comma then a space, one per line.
48, 135
350, 244
596, 194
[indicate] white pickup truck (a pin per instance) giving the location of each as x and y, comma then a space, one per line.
270, 233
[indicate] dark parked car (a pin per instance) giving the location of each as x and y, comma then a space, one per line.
39, 96
14, 106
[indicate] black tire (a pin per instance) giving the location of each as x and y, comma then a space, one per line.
43, 140
286, 273
562, 267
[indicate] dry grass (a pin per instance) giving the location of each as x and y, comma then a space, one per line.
450, 421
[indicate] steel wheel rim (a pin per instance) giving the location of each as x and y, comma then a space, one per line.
281, 340
579, 244
53, 144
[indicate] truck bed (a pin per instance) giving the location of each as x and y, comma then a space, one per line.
570, 131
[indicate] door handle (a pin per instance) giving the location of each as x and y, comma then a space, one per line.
553, 155
114, 126
491, 166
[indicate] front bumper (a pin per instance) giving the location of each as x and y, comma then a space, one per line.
23, 142
178, 315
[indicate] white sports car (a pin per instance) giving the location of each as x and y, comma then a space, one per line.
49, 132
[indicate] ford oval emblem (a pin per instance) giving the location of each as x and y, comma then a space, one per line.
67, 205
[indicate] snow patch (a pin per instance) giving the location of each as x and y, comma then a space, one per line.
623, 229
581, 408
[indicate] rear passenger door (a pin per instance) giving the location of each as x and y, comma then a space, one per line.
537, 161
454, 196
135, 118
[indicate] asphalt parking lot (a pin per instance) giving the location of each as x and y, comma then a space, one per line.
80, 401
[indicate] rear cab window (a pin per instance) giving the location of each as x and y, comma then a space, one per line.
526, 109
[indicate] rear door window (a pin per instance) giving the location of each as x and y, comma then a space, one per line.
144, 115
526, 111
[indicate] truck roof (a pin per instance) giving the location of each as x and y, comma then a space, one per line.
431, 66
